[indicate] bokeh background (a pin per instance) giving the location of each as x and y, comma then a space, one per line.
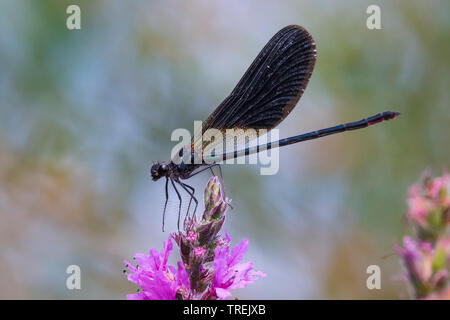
84, 113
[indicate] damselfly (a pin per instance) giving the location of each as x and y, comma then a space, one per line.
266, 94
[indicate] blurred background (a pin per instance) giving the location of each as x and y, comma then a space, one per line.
84, 113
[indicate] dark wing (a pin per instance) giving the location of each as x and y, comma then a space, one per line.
272, 86
269, 89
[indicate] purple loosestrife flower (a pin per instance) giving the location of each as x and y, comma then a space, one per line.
417, 258
157, 280
228, 273
427, 267
207, 270
429, 206
426, 258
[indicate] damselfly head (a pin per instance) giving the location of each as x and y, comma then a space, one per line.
159, 170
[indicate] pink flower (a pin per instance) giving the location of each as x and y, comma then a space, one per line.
417, 259
199, 252
429, 206
156, 280
191, 236
207, 269
418, 206
228, 273
437, 185
444, 244
426, 266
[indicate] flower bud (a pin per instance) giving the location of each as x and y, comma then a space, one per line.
213, 193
